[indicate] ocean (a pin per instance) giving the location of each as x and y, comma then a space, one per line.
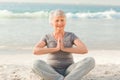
23, 24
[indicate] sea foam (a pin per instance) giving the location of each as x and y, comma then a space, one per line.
109, 14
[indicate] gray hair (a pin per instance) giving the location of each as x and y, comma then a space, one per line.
54, 13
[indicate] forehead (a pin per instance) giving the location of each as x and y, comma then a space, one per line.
59, 17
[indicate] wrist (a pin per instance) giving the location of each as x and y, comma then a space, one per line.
57, 49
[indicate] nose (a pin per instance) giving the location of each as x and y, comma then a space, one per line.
59, 22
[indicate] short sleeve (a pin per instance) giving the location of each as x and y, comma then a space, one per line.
44, 38
74, 37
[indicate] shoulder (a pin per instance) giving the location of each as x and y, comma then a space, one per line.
70, 33
47, 34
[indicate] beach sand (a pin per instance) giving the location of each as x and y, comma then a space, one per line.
18, 66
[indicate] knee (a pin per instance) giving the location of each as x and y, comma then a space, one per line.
91, 61
37, 63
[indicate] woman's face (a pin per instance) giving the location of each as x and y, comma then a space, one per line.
58, 22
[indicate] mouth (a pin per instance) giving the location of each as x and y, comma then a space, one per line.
59, 27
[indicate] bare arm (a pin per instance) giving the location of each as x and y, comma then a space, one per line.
79, 49
39, 48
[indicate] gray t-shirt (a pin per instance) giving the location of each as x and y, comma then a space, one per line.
60, 59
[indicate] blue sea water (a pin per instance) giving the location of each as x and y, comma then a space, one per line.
37, 10
23, 24
34, 7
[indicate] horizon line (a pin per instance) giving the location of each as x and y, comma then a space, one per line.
65, 3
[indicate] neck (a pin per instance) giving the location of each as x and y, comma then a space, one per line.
58, 34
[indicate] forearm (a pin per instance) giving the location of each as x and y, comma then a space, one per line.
75, 50
40, 51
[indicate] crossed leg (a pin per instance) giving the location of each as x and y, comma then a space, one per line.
74, 72
77, 70
46, 71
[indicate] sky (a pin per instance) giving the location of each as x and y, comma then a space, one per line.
90, 2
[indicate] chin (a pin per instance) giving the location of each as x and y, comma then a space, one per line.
59, 30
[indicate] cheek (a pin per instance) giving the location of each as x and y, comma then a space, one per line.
64, 24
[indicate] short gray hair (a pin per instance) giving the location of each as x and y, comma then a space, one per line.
56, 13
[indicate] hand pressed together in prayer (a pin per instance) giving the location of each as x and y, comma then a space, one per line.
60, 44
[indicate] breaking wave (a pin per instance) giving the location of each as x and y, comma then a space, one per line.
110, 14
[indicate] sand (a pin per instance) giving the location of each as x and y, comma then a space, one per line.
18, 66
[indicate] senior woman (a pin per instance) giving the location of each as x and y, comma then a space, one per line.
60, 64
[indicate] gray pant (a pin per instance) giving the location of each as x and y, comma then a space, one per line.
74, 72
